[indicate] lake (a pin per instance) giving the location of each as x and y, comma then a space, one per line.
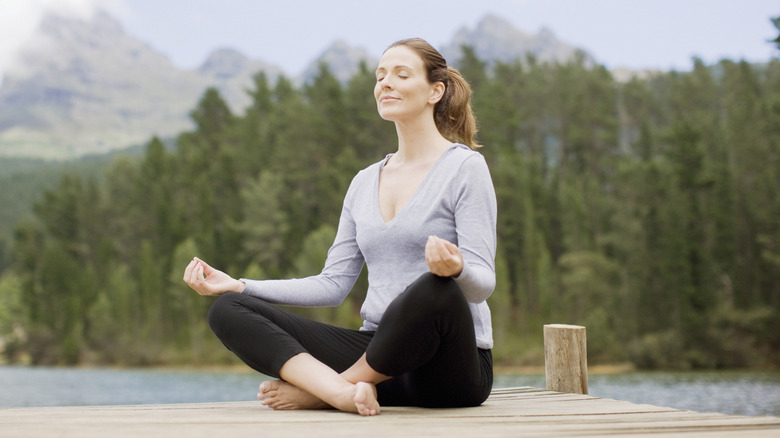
742, 393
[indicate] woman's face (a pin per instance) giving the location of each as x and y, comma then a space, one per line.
402, 89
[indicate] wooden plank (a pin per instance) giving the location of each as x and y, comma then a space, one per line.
508, 412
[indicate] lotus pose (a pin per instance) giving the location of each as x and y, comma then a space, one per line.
423, 221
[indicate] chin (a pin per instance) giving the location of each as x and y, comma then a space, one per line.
388, 115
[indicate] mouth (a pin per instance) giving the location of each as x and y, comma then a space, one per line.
388, 99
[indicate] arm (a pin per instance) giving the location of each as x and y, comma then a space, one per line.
332, 285
475, 222
326, 289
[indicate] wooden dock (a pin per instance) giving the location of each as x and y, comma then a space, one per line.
510, 412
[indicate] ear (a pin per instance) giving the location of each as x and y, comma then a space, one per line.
437, 92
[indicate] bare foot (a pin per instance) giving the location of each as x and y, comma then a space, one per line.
365, 399
280, 395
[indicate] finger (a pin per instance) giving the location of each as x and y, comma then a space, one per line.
438, 249
444, 244
207, 269
434, 266
456, 259
197, 274
429, 249
201, 283
450, 253
188, 270
434, 243
450, 247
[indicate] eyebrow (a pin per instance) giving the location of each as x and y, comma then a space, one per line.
395, 67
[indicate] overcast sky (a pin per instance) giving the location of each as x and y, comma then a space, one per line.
638, 34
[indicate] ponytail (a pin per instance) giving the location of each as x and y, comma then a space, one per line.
453, 114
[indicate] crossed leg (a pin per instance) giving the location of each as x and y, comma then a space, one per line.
323, 366
354, 390
301, 352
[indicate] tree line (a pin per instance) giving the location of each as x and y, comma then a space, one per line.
645, 210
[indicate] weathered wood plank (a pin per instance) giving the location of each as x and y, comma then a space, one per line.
508, 412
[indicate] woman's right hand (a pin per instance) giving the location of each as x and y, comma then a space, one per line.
206, 280
444, 258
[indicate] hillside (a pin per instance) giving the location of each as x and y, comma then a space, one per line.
89, 87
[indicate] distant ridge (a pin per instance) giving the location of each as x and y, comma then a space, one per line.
496, 39
87, 87
231, 72
342, 59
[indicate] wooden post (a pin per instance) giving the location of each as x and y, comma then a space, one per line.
566, 358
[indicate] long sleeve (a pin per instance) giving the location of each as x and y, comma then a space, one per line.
332, 285
475, 225
455, 202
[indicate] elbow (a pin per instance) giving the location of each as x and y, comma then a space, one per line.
337, 292
479, 291
481, 296
476, 282
335, 301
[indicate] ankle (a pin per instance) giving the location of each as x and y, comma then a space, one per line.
342, 399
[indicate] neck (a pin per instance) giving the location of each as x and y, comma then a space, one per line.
419, 140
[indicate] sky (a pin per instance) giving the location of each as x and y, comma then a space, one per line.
635, 34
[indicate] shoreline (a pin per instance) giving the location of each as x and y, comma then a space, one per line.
621, 368
531, 370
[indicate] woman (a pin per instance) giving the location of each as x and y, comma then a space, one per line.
423, 221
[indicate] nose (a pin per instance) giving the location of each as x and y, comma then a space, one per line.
381, 87
385, 82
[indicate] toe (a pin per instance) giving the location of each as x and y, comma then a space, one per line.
268, 386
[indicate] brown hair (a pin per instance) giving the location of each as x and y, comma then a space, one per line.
452, 114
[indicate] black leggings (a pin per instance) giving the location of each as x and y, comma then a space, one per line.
425, 341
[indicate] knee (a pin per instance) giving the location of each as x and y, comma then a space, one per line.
445, 287
434, 292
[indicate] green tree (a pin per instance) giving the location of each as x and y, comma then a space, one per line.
645, 210
265, 224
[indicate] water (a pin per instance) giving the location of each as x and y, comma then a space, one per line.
738, 393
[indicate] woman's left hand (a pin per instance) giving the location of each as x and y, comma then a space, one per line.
443, 257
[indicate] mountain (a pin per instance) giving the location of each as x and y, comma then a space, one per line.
495, 39
231, 71
342, 59
87, 87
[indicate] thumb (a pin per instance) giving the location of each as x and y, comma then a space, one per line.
451, 247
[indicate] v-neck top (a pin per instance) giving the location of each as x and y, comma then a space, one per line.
456, 201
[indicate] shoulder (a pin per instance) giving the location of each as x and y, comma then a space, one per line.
461, 153
374, 168
468, 160
369, 172
365, 177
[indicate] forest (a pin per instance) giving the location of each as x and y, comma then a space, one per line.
646, 210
